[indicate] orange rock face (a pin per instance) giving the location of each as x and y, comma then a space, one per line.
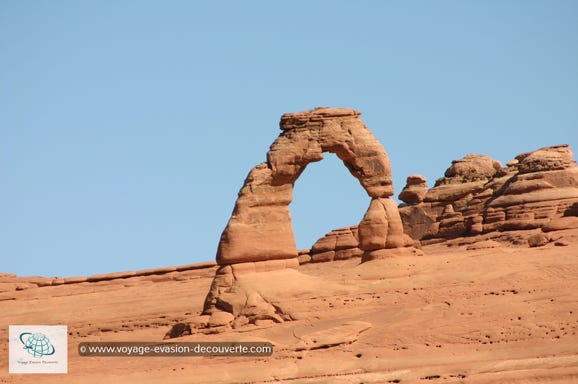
339, 244
381, 227
534, 189
260, 226
260, 232
469, 311
415, 190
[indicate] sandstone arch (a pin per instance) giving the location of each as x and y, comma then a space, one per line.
257, 250
260, 227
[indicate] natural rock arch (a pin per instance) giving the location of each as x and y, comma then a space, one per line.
257, 251
260, 227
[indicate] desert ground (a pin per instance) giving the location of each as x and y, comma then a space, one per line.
484, 309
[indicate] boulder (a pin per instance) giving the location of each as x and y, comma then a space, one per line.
381, 227
538, 240
416, 221
415, 190
471, 168
546, 159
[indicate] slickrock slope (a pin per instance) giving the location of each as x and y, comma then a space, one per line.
471, 310
537, 189
258, 245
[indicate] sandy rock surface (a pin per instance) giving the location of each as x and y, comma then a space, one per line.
498, 312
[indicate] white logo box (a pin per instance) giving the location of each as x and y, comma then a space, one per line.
38, 348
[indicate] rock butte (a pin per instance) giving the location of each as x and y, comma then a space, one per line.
259, 236
477, 195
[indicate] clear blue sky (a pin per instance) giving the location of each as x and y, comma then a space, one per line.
128, 127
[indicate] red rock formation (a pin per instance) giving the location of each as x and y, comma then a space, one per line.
11, 282
260, 226
380, 229
478, 196
259, 236
339, 244
415, 190
451, 223
343, 243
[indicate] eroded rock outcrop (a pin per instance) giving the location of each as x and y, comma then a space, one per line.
415, 190
380, 229
339, 244
260, 226
343, 244
478, 196
259, 236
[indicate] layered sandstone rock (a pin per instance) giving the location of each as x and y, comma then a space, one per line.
306, 135
558, 157
343, 243
415, 190
478, 196
471, 168
339, 244
259, 236
380, 229
451, 223
260, 226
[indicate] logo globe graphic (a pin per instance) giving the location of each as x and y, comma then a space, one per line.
37, 344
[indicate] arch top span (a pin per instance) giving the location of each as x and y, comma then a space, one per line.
306, 135
260, 227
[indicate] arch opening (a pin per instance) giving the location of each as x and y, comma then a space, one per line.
260, 237
261, 229
325, 197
